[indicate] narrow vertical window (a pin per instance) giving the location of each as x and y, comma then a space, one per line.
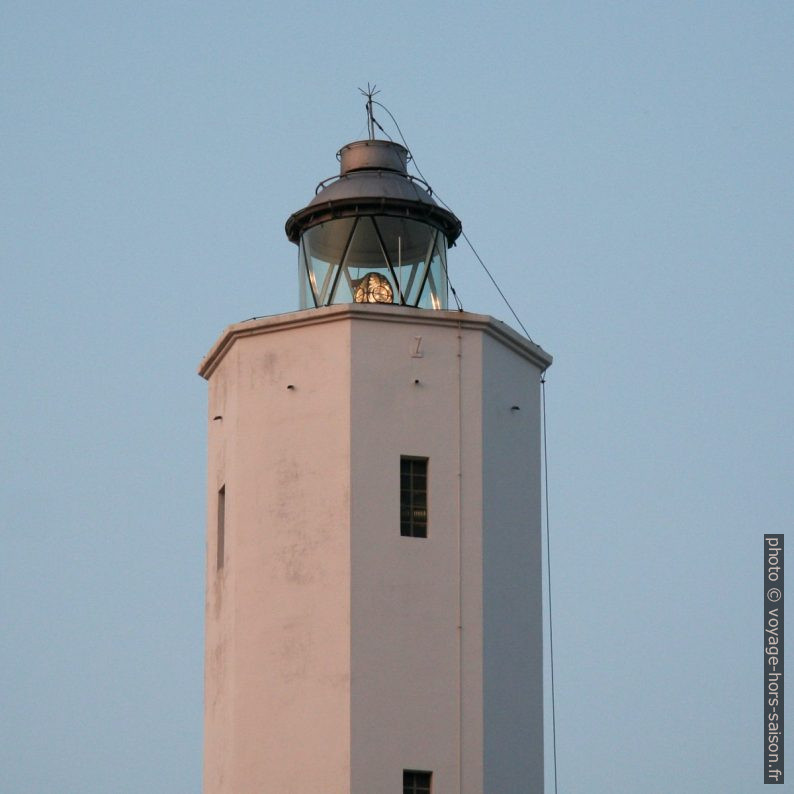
416, 782
221, 525
413, 497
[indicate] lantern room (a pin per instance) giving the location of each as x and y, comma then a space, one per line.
373, 234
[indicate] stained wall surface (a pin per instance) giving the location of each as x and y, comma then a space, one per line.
339, 652
416, 690
512, 572
277, 677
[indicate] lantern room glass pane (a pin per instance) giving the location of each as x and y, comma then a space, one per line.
373, 259
314, 276
366, 276
434, 290
321, 248
409, 245
304, 279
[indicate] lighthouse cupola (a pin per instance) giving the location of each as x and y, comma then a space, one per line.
373, 234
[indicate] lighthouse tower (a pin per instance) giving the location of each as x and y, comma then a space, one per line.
373, 610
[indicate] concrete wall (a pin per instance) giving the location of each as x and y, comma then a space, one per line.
278, 614
407, 662
512, 573
338, 652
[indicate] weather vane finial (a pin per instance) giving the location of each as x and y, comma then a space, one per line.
369, 93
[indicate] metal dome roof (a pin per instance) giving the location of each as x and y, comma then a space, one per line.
373, 180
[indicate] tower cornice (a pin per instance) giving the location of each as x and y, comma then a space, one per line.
372, 312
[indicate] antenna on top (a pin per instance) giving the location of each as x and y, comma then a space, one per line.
369, 93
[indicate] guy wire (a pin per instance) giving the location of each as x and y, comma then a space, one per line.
548, 574
463, 234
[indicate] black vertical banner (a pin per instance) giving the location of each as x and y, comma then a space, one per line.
773, 658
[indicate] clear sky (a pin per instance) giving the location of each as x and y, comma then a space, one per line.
624, 168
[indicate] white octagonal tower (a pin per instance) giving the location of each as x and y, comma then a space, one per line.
374, 598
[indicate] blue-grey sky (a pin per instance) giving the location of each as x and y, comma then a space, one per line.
625, 169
